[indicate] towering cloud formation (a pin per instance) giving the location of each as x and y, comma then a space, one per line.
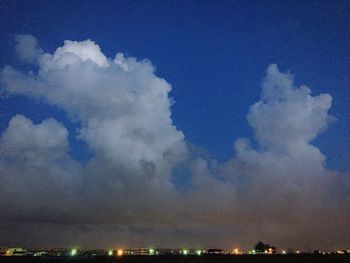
280, 190
285, 121
271, 192
123, 107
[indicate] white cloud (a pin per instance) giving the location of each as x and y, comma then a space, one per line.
285, 121
287, 118
36, 172
125, 114
74, 53
27, 48
124, 109
22, 138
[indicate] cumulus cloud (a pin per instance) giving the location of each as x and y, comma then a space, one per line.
37, 175
125, 117
27, 48
287, 118
285, 121
284, 189
123, 106
272, 191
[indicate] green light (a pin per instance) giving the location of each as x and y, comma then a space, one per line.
185, 252
73, 252
252, 252
110, 253
199, 252
151, 251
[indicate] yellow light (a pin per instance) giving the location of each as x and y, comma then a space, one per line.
151, 251
199, 252
120, 252
283, 252
236, 251
298, 252
110, 252
185, 252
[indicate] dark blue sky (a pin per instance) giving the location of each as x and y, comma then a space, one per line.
214, 54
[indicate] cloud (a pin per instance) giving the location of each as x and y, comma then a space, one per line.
36, 173
287, 118
285, 121
123, 106
125, 117
272, 191
27, 48
284, 189
281, 189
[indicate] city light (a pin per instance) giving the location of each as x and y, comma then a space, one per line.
73, 252
81, 253
252, 252
236, 251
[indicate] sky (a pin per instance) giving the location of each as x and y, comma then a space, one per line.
175, 123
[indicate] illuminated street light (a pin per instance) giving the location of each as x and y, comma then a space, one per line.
120, 252
185, 252
73, 252
252, 252
236, 251
110, 252
151, 251
199, 252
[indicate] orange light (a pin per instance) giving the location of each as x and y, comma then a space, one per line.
120, 252
236, 251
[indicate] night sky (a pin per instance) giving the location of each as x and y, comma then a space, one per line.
175, 123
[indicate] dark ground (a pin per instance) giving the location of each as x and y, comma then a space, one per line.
186, 259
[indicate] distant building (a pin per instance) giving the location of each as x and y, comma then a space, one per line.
168, 251
215, 251
261, 248
16, 251
3, 251
137, 252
